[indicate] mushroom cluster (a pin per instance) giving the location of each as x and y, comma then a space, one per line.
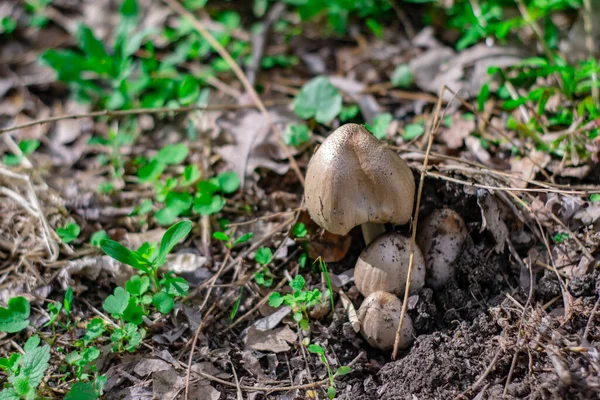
355, 179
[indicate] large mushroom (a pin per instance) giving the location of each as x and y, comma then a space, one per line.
354, 179
383, 266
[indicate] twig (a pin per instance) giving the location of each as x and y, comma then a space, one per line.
179, 9
413, 238
191, 357
135, 111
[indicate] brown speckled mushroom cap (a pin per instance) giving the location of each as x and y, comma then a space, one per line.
379, 316
383, 266
354, 178
441, 236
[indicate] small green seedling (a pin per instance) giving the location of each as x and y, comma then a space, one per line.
331, 390
263, 277
142, 262
300, 300
25, 372
14, 317
561, 237
80, 361
69, 233
229, 241
236, 305
54, 310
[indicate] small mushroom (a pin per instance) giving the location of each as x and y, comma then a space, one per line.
441, 236
379, 316
354, 179
383, 266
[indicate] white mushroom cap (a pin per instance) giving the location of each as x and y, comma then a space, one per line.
379, 316
383, 266
353, 178
441, 236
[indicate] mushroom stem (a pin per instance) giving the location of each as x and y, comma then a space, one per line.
370, 231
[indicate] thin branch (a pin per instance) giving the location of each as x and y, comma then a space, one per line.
135, 111
413, 238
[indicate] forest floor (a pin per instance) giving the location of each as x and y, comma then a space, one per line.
120, 119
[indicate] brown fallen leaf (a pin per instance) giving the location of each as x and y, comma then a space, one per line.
459, 129
276, 341
330, 247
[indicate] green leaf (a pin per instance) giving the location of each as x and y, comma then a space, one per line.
375, 27
206, 188
94, 329
68, 301
331, 392
595, 197
116, 303
344, 370
208, 205
319, 99
263, 256
244, 238
402, 76
173, 154
90, 45
297, 283
221, 236
29, 146
482, 97
98, 237
33, 365
300, 230
9, 394
138, 285
82, 391
296, 135
129, 9
151, 171
302, 260
191, 174
380, 125
122, 254
188, 90
175, 285
236, 305
228, 182
275, 300
14, 317
172, 236
133, 312
413, 131
163, 302
69, 233
349, 112
195, 4
316, 349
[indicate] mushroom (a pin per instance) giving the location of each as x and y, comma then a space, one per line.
379, 316
354, 179
441, 236
383, 265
